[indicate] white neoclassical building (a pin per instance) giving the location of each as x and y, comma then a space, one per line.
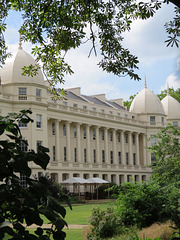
88, 136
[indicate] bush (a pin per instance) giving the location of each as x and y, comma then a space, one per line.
105, 223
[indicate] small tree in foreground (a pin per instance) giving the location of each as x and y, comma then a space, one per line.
20, 207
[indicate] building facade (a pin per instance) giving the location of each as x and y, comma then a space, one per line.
88, 136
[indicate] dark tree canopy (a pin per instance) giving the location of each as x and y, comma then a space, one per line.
55, 27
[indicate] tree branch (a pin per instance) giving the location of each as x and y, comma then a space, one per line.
175, 2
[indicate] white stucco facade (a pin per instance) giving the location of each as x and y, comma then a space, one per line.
88, 136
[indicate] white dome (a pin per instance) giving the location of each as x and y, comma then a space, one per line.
12, 71
171, 107
146, 102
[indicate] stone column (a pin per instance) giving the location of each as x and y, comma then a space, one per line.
97, 145
106, 145
78, 142
88, 143
137, 149
144, 150
130, 148
123, 158
57, 145
68, 141
114, 147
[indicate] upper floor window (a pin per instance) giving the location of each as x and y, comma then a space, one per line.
102, 135
84, 107
75, 105
133, 139
126, 138
118, 114
110, 136
125, 115
111, 157
64, 103
38, 144
103, 156
133, 117
85, 155
94, 109
38, 92
53, 128
84, 133
153, 140
162, 119
65, 154
38, 121
127, 158
152, 119
24, 146
102, 110
54, 153
75, 132
94, 153
64, 130
22, 125
75, 154
22, 93
175, 124
94, 134
119, 157
119, 137
134, 158
110, 112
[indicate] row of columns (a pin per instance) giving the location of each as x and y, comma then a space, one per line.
106, 137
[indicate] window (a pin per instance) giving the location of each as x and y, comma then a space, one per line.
125, 115
64, 130
23, 182
22, 93
126, 138
38, 92
153, 140
53, 128
175, 124
102, 135
54, 153
75, 154
84, 133
133, 139
75, 105
75, 132
119, 137
152, 119
133, 117
162, 119
22, 125
38, 121
110, 136
64, 103
102, 110
85, 155
118, 114
94, 134
134, 158
64, 154
94, 109
94, 155
85, 107
24, 146
119, 157
103, 156
110, 112
127, 158
153, 158
38, 144
111, 157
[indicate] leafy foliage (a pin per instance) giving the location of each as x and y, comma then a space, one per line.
55, 27
22, 206
174, 93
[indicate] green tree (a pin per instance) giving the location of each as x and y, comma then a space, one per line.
55, 27
21, 206
174, 93
128, 102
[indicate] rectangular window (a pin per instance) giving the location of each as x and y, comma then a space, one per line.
103, 156
175, 124
126, 138
38, 144
102, 110
54, 153
22, 93
75, 105
119, 157
64, 130
111, 157
127, 158
64, 103
85, 155
84, 133
53, 128
22, 125
84, 107
133, 139
119, 137
102, 135
153, 158
23, 181
38, 121
134, 159
75, 132
24, 146
64, 154
75, 154
110, 136
94, 155
110, 112
38, 92
153, 140
94, 109
152, 119
162, 119
118, 114
94, 134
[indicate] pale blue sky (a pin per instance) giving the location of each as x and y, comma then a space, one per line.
146, 40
